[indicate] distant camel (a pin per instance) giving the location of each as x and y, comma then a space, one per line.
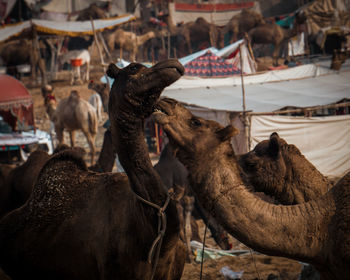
101, 89
128, 41
199, 31
241, 23
85, 58
72, 113
271, 33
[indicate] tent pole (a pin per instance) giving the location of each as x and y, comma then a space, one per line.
245, 117
99, 51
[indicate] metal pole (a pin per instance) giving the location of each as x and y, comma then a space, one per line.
245, 117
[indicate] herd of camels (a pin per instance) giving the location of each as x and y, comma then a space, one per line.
70, 221
62, 219
147, 38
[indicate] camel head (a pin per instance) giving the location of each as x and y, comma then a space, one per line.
137, 88
188, 133
264, 166
279, 169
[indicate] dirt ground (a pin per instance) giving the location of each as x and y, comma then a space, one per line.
253, 265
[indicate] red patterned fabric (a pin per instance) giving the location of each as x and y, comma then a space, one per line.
210, 65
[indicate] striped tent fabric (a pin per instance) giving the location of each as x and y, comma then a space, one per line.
210, 65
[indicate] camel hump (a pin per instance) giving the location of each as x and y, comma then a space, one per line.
68, 155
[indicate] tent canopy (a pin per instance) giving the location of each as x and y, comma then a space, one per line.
16, 104
69, 28
302, 86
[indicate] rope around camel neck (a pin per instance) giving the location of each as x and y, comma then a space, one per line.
157, 243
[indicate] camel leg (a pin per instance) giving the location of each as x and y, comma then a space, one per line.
59, 134
275, 55
87, 71
121, 53
91, 140
72, 138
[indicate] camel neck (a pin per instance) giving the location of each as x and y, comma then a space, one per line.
134, 157
51, 109
268, 228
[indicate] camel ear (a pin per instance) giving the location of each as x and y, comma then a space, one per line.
227, 133
112, 71
274, 147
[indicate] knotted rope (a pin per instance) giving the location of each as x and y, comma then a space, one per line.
157, 243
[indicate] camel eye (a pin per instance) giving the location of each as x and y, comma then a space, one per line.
195, 122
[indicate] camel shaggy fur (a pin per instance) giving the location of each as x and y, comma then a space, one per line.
72, 113
128, 41
280, 170
316, 232
79, 224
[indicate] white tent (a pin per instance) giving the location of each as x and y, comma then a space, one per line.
325, 141
72, 28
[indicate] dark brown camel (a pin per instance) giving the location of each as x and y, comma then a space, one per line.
280, 170
194, 33
242, 23
91, 12
79, 224
5, 170
19, 181
316, 232
271, 33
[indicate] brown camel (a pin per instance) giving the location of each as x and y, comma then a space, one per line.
20, 52
280, 170
316, 232
242, 23
197, 32
5, 170
72, 113
79, 224
128, 41
271, 33
91, 12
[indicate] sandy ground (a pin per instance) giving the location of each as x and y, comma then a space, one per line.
253, 265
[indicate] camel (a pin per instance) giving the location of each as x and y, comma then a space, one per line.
128, 41
79, 224
72, 113
316, 232
5, 170
91, 12
271, 33
75, 72
20, 52
199, 31
280, 170
241, 23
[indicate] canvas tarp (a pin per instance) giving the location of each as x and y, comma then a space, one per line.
302, 86
70, 28
324, 141
321, 14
